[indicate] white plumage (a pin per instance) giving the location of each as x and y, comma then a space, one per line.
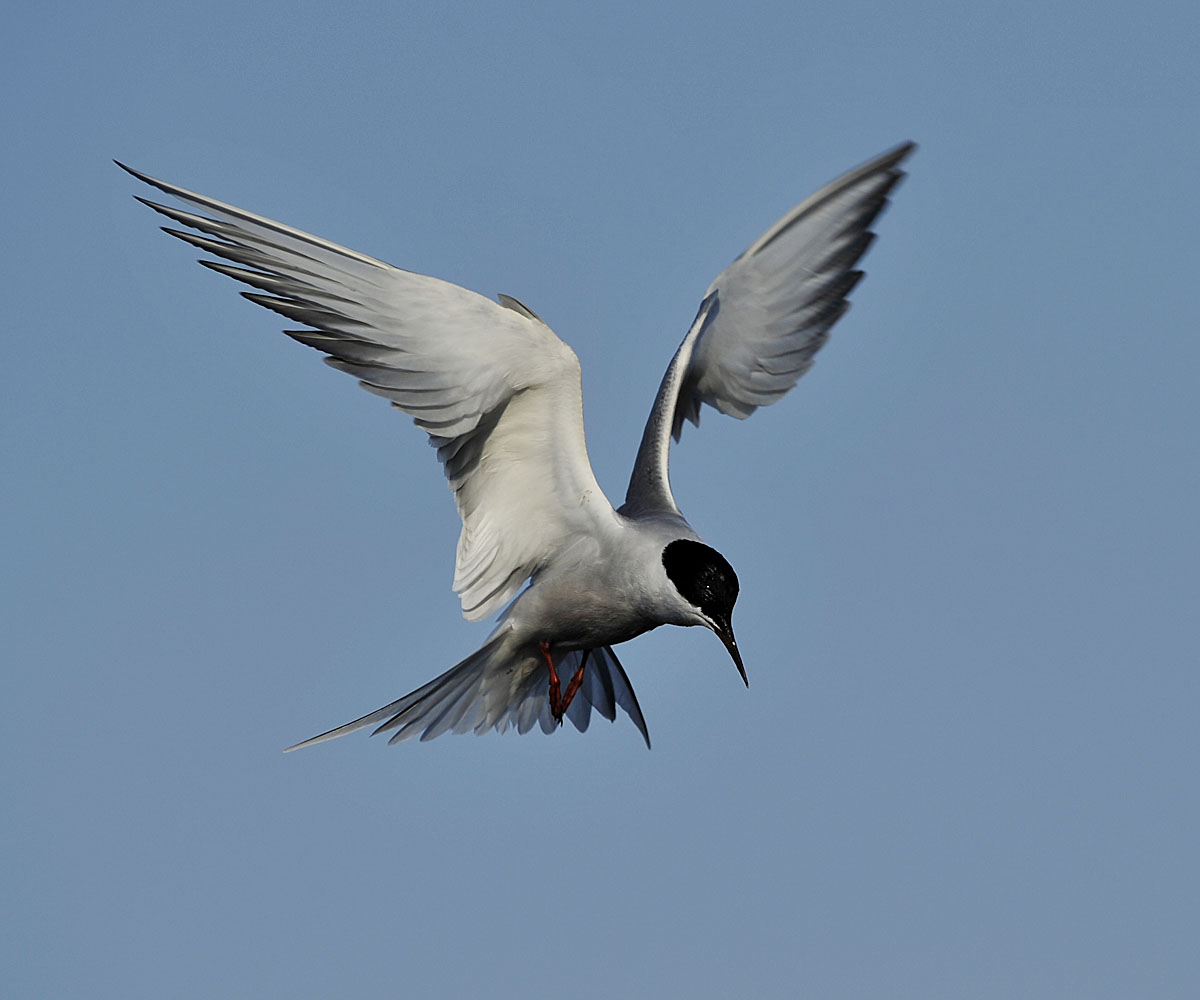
499, 395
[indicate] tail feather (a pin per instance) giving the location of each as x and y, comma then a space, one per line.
598, 688
491, 690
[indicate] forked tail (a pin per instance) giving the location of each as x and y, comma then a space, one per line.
492, 690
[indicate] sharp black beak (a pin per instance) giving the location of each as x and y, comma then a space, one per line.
724, 631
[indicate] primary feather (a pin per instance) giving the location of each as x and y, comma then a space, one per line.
496, 391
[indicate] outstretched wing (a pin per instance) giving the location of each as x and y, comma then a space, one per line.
497, 392
764, 318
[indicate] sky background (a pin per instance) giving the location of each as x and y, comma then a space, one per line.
967, 762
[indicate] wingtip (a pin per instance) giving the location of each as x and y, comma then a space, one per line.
896, 155
133, 173
312, 741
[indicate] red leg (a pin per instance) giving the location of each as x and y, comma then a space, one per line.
556, 705
573, 687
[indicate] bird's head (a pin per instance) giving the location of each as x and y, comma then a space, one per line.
706, 581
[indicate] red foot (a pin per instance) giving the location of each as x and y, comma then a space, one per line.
560, 702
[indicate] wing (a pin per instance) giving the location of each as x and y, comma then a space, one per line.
497, 392
764, 318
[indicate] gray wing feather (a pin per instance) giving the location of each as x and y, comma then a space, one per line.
765, 317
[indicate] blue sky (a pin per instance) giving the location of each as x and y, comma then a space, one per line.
966, 764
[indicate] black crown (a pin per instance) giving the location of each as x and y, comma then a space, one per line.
702, 575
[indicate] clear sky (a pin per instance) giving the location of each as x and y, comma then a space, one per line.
967, 762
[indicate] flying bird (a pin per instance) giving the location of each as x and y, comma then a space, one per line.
500, 397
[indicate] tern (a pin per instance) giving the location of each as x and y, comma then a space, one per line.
500, 396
